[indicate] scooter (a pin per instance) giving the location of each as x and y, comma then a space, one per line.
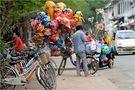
107, 59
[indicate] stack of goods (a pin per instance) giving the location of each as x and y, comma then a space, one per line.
55, 23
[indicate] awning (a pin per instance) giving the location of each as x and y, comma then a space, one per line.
115, 22
132, 22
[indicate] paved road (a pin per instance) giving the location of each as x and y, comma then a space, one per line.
121, 77
123, 73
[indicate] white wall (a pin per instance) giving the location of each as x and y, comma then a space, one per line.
126, 9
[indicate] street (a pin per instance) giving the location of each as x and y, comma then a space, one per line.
30, 28
123, 73
121, 77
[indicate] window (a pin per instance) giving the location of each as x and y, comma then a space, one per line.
125, 7
113, 13
118, 8
126, 35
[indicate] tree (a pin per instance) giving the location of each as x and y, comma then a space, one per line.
12, 13
87, 7
15, 12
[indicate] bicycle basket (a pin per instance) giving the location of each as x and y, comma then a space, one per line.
44, 55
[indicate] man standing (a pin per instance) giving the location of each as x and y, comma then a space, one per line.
78, 40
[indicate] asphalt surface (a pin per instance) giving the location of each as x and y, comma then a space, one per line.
123, 73
121, 77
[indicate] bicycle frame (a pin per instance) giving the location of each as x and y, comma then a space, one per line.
71, 60
21, 79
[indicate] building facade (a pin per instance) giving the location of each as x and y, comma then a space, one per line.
122, 14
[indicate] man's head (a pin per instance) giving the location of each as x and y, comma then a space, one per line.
87, 33
79, 27
105, 34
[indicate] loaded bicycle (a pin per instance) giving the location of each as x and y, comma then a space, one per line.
91, 59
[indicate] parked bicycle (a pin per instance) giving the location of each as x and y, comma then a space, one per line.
45, 73
91, 59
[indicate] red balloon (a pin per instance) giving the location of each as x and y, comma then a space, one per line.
72, 22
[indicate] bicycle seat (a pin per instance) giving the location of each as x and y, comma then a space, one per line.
92, 53
16, 58
14, 62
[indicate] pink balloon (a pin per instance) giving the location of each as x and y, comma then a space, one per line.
56, 23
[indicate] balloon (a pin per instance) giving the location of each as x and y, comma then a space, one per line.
40, 34
90, 20
34, 23
62, 6
49, 8
63, 20
47, 31
43, 17
57, 12
54, 38
78, 18
105, 58
79, 13
69, 13
72, 22
55, 24
40, 27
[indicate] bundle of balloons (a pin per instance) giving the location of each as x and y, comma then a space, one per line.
55, 22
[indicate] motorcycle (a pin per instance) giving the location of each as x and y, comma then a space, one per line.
106, 57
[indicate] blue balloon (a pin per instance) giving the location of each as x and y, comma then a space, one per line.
44, 20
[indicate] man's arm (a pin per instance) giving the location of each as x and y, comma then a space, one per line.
11, 41
72, 38
83, 37
13, 47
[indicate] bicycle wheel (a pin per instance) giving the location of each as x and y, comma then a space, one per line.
54, 66
92, 65
52, 70
51, 77
7, 72
52, 74
45, 77
39, 78
62, 66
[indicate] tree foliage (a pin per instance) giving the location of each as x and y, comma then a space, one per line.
13, 12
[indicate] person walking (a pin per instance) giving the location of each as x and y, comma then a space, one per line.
78, 40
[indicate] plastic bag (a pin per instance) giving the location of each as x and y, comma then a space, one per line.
90, 47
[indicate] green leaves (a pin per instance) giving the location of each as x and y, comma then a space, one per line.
12, 11
3, 45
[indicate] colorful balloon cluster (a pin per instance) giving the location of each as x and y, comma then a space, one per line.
55, 22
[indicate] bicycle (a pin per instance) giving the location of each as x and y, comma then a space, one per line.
91, 59
45, 74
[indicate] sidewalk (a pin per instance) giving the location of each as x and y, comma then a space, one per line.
69, 81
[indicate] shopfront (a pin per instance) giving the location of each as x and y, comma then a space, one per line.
131, 22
